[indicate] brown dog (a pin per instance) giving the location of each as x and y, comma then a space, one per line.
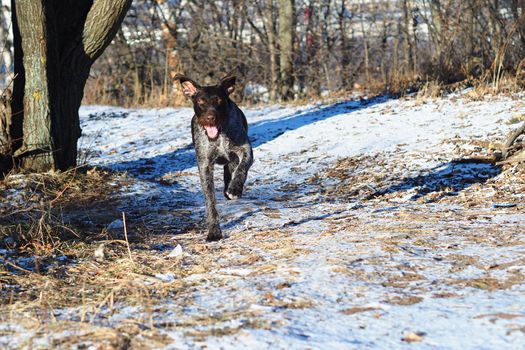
219, 130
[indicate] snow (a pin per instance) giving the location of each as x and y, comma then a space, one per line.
338, 259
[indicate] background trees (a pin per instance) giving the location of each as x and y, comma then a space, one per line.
336, 45
279, 49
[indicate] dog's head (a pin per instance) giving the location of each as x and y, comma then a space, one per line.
209, 102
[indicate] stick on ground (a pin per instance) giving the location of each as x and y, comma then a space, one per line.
510, 141
126, 235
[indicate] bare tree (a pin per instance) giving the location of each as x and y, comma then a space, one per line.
173, 61
286, 46
273, 49
55, 44
6, 57
329, 45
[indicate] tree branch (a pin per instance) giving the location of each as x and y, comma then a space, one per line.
101, 25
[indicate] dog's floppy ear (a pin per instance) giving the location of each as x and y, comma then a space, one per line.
228, 84
189, 86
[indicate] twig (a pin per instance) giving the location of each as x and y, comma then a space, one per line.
513, 136
69, 230
126, 235
60, 193
8, 86
19, 268
109, 241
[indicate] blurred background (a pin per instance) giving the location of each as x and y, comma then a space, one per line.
286, 50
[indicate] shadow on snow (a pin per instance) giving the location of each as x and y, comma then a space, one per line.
450, 178
260, 133
175, 196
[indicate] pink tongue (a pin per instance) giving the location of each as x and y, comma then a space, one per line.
212, 131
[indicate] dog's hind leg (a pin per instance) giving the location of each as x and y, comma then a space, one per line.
208, 187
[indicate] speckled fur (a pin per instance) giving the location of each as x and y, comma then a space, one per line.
232, 149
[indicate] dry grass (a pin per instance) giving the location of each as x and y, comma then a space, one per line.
431, 89
103, 271
101, 90
480, 88
40, 211
94, 289
489, 84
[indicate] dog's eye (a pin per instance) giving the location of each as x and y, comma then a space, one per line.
217, 100
201, 102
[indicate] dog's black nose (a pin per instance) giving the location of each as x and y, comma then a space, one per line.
210, 118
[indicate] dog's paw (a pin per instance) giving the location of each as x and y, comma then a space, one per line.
214, 234
230, 196
233, 192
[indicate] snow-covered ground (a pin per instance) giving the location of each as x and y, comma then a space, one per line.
359, 229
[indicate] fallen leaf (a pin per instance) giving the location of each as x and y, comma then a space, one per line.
413, 337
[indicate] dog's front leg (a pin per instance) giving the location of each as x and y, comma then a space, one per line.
212, 217
239, 174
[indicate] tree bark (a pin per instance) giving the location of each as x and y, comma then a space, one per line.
436, 29
286, 38
408, 48
365, 42
6, 119
346, 81
273, 51
513, 136
37, 147
58, 41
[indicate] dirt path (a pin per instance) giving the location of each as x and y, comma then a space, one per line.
359, 229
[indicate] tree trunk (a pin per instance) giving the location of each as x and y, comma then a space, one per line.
517, 7
436, 29
273, 51
37, 147
365, 42
409, 59
286, 36
58, 41
6, 143
173, 62
346, 82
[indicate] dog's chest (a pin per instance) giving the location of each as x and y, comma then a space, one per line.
223, 149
